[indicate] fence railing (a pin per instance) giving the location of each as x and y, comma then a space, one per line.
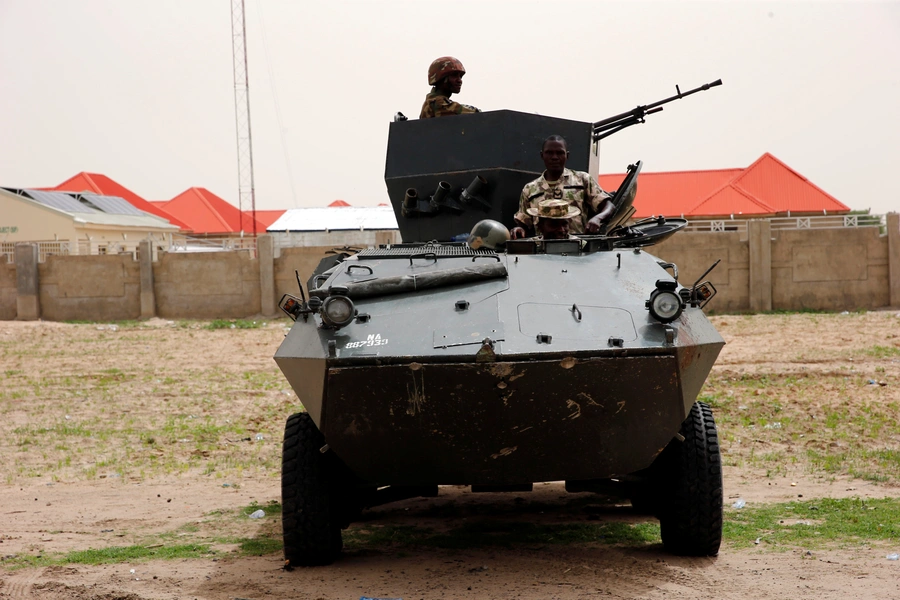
204, 244
808, 222
92, 247
45, 249
224, 244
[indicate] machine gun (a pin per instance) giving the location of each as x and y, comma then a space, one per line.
607, 127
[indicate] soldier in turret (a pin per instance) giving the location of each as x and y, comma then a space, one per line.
555, 217
577, 188
445, 75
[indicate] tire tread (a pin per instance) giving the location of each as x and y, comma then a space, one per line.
311, 533
691, 517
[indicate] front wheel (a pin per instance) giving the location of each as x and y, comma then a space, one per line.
691, 507
310, 516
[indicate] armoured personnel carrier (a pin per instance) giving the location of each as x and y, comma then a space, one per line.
498, 365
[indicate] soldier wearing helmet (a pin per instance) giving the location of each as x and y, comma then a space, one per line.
445, 75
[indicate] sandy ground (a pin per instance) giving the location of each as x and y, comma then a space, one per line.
70, 512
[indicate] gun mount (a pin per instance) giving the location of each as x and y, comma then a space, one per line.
444, 175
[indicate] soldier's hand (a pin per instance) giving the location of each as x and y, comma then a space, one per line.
517, 233
594, 225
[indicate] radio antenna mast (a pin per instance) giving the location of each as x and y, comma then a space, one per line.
246, 191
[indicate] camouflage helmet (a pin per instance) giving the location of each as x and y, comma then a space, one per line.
443, 66
487, 234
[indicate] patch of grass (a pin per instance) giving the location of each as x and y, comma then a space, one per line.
271, 508
132, 553
827, 461
234, 324
264, 380
830, 423
128, 324
800, 311
260, 546
115, 554
814, 523
882, 351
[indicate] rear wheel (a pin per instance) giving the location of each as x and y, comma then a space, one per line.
691, 473
310, 514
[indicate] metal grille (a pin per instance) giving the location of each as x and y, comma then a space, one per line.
45, 249
437, 250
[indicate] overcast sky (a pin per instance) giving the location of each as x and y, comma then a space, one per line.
143, 92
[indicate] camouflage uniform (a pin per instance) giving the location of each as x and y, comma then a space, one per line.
438, 105
575, 187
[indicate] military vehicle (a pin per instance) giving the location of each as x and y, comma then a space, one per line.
498, 365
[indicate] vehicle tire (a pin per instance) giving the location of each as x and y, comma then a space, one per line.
691, 511
309, 514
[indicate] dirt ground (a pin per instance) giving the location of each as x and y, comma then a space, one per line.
80, 471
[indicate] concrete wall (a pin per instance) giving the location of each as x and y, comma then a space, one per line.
817, 269
820, 269
830, 269
8, 291
206, 285
91, 288
696, 252
302, 260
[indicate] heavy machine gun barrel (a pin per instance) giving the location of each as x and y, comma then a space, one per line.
606, 127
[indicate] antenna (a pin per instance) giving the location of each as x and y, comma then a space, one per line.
246, 192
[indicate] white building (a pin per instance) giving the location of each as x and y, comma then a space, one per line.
76, 223
336, 226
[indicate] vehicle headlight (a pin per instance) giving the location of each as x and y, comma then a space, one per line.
337, 311
665, 304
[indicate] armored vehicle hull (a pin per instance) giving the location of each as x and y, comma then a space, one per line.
500, 381
499, 370
435, 362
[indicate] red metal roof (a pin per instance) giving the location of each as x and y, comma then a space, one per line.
731, 200
206, 213
671, 193
339, 203
785, 189
101, 184
764, 189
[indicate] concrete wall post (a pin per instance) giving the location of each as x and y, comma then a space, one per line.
759, 235
893, 233
148, 295
28, 298
265, 252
